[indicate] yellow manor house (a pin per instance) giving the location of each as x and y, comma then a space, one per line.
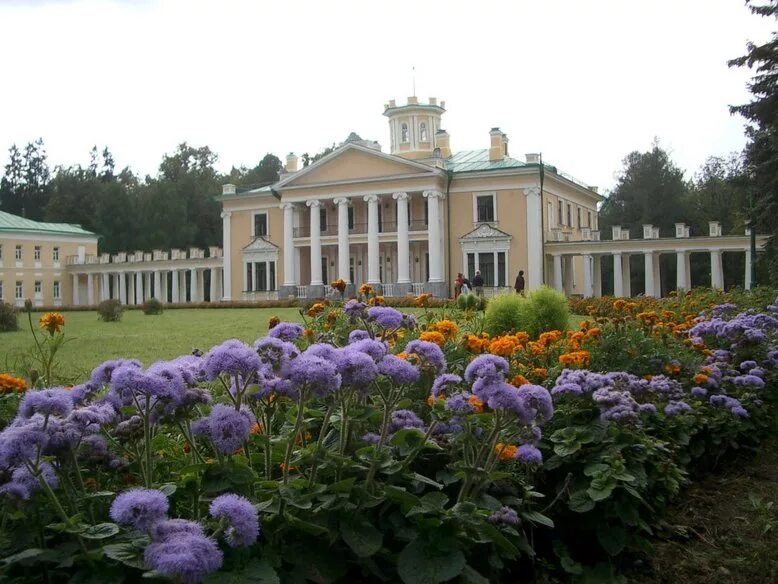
407, 221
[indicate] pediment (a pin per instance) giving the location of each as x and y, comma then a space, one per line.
354, 162
483, 232
260, 244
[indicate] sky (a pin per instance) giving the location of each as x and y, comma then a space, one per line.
585, 82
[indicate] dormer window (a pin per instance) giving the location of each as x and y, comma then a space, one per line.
423, 132
404, 133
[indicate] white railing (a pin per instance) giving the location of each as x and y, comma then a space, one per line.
261, 295
302, 291
493, 291
388, 289
417, 288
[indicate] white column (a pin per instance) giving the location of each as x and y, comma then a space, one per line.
76, 301
657, 276
343, 247
138, 287
568, 274
194, 293
90, 289
219, 275
748, 283
626, 276
182, 286
435, 247
682, 277
618, 276
146, 286
157, 286
212, 288
403, 251
289, 263
314, 206
163, 290
115, 286
105, 286
588, 268
534, 238
373, 271
648, 260
175, 296
123, 287
227, 256
597, 275
558, 284
716, 271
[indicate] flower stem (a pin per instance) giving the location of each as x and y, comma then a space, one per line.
290, 445
325, 422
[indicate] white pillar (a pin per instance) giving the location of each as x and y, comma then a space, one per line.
115, 286
212, 288
682, 276
657, 275
226, 257
568, 273
182, 286
343, 247
618, 276
163, 290
558, 284
403, 251
76, 300
626, 276
218, 275
157, 286
314, 206
588, 268
748, 284
289, 263
146, 286
105, 286
435, 247
534, 238
138, 287
648, 260
716, 271
373, 271
597, 275
123, 287
194, 289
90, 289
175, 296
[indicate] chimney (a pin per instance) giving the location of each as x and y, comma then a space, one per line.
532, 158
413, 100
433, 101
291, 162
441, 142
228, 189
498, 146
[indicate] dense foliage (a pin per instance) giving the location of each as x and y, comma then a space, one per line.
369, 445
9, 320
152, 306
110, 310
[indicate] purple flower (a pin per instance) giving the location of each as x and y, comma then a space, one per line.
459, 404
402, 419
47, 402
357, 369
241, 515
376, 349
443, 382
20, 443
139, 508
665, 386
286, 331
483, 366
579, 381
747, 365
371, 438
529, 454
15, 491
505, 516
319, 376
647, 408
749, 381
226, 427
699, 392
163, 530
323, 351
429, 353
385, 317
616, 406
353, 308
398, 370
102, 374
233, 358
675, 408
128, 381
189, 558
358, 335
22, 476
91, 418
537, 401
275, 352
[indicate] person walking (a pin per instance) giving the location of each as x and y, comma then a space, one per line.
458, 285
478, 284
519, 285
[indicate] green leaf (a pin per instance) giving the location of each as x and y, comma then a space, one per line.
567, 449
426, 480
362, 537
306, 526
471, 576
399, 495
99, 494
434, 500
538, 518
100, 531
125, 553
256, 572
580, 502
168, 489
343, 486
420, 563
495, 535
612, 539
28, 554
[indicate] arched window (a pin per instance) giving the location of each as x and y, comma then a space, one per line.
404, 133
423, 132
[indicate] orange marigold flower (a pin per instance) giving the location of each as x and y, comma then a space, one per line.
503, 346
540, 372
505, 452
700, 379
90, 484
585, 324
366, 289
339, 285
403, 355
476, 403
273, 322
673, 368
299, 438
433, 337
519, 380
52, 322
448, 328
315, 309
256, 429
475, 344
187, 447
648, 377
521, 337
431, 401
422, 300
593, 333
308, 333
575, 358
376, 301
11, 384
619, 304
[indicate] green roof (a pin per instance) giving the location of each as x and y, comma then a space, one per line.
475, 160
12, 223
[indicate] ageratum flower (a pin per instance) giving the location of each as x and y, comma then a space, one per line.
189, 558
699, 392
129, 381
102, 374
484, 366
459, 403
139, 508
226, 427
443, 382
353, 308
47, 402
275, 352
358, 335
579, 381
405, 419
371, 438
385, 317
666, 387
233, 358
317, 375
20, 443
749, 381
398, 370
747, 365
647, 409
429, 354
617, 406
322, 350
505, 516
536, 401
163, 530
22, 476
376, 349
675, 408
529, 454
190, 367
286, 331
357, 369
241, 515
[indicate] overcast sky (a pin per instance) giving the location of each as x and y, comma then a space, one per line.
584, 82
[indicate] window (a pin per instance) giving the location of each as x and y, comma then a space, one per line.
426, 266
260, 224
422, 132
486, 267
324, 265
261, 275
501, 268
550, 213
484, 208
323, 219
470, 266
37, 253
38, 287
404, 133
351, 270
18, 253
380, 218
351, 217
579, 218
249, 279
272, 267
426, 212
569, 215
57, 295
589, 219
19, 290
561, 219
55, 254
1, 289
1, 252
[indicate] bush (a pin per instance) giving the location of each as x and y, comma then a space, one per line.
468, 302
8, 318
152, 306
503, 314
110, 310
544, 309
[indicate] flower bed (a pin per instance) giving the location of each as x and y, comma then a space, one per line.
367, 445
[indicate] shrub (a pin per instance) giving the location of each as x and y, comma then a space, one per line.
152, 306
8, 318
544, 309
467, 302
110, 310
503, 314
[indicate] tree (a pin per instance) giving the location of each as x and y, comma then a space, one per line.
266, 172
761, 114
25, 186
308, 159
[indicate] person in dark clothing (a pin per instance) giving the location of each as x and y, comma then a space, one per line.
519, 285
478, 284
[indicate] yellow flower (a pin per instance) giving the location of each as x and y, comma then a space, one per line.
433, 337
52, 322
